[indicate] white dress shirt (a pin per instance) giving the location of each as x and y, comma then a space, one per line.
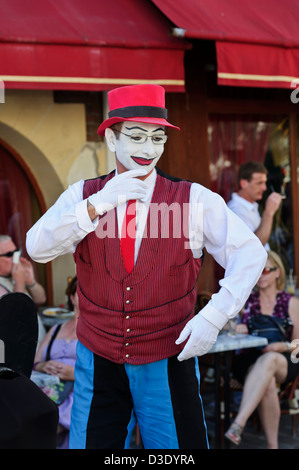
211, 225
247, 211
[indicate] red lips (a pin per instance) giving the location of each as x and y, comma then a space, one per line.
142, 161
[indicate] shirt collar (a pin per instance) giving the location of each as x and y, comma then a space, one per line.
240, 200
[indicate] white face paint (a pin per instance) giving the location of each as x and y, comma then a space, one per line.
133, 155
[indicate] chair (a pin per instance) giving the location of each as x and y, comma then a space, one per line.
19, 331
289, 395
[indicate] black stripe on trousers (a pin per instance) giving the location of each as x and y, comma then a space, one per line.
112, 405
187, 404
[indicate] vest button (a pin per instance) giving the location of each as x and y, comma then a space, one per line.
128, 288
127, 344
127, 317
127, 355
127, 301
128, 330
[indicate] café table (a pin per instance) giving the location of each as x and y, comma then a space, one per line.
225, 344
49, 320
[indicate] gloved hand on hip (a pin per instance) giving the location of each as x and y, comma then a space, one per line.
119, 189
202, 335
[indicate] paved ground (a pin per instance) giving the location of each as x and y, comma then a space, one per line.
252, 437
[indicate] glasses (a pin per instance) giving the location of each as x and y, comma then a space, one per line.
9, 254
268, 270
140, 138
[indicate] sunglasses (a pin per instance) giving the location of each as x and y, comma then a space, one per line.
9, 254
268, 270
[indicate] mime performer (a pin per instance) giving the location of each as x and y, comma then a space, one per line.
138, 337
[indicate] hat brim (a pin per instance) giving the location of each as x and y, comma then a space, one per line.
109, 122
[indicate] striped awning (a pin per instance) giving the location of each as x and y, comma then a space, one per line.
257, 41
88, 45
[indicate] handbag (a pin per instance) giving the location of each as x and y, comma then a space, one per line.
57, 392
274, 329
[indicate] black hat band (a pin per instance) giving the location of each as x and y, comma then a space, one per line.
140, 111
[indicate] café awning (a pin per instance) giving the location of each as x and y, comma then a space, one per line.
257, 41
88, 45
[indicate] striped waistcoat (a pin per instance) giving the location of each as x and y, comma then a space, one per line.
136, 318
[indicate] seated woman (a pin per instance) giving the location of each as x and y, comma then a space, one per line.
260, 370
56, 355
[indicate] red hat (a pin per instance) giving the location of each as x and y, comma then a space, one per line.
137, 103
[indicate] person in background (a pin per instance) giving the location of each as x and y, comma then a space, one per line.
56, 355
252, 180
138, 338
261, 370
19, 277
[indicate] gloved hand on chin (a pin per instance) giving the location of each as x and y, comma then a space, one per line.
202, 335
121, 188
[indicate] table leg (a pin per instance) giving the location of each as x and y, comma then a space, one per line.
226, 377
222, 407
217, 402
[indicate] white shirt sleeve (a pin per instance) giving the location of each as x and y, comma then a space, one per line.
233, 245
62, 227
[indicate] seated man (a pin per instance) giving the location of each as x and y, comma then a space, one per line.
252, 179
19, 277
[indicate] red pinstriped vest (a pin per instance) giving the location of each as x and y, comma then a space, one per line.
136, 318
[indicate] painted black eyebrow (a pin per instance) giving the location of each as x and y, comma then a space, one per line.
144, 130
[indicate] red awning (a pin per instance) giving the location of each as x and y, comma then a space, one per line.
257, 41
87, 45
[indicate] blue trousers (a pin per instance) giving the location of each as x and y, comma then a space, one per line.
163, 397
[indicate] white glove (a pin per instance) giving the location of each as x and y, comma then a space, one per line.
119, 189
203, 335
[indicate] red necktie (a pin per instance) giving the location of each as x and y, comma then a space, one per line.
128, 235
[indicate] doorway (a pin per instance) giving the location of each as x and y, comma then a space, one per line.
20, 206
235, 139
